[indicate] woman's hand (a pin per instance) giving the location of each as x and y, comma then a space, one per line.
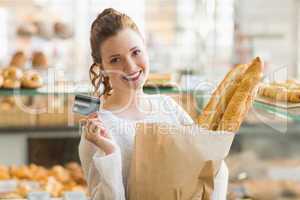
96, 133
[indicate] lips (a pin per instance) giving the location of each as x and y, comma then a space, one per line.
133, 76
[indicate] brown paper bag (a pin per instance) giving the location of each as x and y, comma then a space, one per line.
175, 162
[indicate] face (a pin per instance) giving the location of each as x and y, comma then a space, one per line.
125, 60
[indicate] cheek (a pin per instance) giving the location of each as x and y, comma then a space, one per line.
143, 62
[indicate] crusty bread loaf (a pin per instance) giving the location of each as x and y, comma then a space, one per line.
294, 96
217, 104
242, 98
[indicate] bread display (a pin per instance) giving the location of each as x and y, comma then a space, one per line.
159, 80
214, 110
232, 99
288, 91
39, 60
18, 59
13, 78
32, 80
55, 180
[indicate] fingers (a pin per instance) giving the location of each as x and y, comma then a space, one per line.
93, 115
95, 126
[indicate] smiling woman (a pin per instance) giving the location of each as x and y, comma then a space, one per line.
112, 54
124, 60
121, 65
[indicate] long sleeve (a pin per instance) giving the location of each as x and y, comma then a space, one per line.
102, 172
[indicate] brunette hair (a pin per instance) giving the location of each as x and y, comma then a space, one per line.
108, 23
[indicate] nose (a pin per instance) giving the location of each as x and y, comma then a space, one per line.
130, 66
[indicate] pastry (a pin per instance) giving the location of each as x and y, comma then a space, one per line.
26, 30
7, 104
18, 59
23, 189
56, 181
13, 73
4, 173
62, 30
53, 186
1, 80
288, 91
21, 172
76, 173
60, 173
11, 84
294, 96
242, 98
39, 60
31, 80
217, 104
39, 173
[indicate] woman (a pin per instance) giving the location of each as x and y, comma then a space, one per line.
121, 64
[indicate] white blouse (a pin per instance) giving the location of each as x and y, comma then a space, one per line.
106, 175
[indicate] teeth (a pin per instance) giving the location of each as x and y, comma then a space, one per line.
133, 75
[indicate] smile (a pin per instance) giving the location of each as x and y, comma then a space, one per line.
132, 77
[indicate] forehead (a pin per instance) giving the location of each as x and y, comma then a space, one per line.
121, 43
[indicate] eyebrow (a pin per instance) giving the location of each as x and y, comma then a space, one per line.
133, 48
116, 55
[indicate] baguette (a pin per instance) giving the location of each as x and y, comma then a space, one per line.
213, 111
242, 98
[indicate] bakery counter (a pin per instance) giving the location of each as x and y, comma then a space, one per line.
28, 109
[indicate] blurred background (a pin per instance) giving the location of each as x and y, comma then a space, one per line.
191, 43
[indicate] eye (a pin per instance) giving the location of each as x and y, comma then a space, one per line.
114, 60
136, 52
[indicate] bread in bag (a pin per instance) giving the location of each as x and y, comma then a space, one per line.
214, 110
242, 98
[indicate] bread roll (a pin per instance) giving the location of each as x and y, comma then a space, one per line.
294, 96
32, 80
213, 111
12, 73
39, 60
1, 80
288, 91
11, 84
242, 98
4, 173
18, 59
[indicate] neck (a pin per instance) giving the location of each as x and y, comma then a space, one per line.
120, 100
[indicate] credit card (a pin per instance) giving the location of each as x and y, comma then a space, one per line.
85, 105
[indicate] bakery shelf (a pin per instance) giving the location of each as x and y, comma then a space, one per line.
34, 92
290, 113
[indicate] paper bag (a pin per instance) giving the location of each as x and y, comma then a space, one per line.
175, 162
